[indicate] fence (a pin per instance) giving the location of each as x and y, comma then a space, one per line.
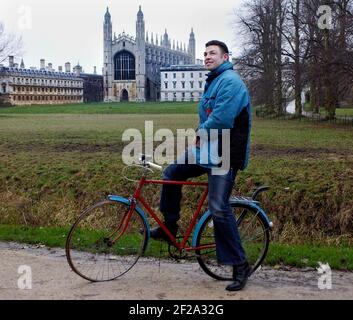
312, 117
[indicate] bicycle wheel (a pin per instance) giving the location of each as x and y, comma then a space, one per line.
255, 236
90, 247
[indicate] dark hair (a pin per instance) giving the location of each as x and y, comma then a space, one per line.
218, 43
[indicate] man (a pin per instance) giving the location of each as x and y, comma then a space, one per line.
225, 104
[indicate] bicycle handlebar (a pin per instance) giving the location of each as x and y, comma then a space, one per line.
154, 166
143, 161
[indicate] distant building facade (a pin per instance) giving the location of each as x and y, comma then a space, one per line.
182, 83
21, 86
92, 85
132, 65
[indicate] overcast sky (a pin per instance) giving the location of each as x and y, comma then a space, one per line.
72, 30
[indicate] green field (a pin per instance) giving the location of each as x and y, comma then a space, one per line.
340, 112
56, 160
105, 108
344, 112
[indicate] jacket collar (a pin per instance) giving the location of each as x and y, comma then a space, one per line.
216, 72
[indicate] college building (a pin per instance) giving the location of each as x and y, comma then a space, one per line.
132, 64
22, 86
182, 83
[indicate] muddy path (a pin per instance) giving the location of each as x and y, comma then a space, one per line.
155, 279
117, 147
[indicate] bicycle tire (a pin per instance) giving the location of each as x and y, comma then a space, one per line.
255, 251
89, 250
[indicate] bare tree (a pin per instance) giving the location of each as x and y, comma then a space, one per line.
331, 55
260, 62
294, 48
9, 44
278, 18
284, 46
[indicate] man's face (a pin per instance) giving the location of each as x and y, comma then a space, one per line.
214, 57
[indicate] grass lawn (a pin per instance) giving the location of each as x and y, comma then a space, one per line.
340, 112
105, 108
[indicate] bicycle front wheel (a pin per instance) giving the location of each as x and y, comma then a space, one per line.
254, 234
97, 246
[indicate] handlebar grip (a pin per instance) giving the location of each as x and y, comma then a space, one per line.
155, 166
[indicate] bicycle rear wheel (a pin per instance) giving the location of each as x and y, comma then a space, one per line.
90, 247
254, 234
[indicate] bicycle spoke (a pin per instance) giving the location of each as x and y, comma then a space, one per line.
252, 220
256, 236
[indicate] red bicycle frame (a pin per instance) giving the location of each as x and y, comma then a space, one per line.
137, 197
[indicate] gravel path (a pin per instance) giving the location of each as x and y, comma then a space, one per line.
154, 279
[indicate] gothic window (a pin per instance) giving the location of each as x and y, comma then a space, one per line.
192, 84
183, 75
183, 84
192, 75
174, 75
166, 85
166, 75
174, 84
200, 84
200, 75
4, 88
124, 66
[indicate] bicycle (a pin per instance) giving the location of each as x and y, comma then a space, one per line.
109, 237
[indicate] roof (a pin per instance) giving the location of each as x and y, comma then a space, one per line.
39, 73
185, 67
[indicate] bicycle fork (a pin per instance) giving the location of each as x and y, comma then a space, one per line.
122, 226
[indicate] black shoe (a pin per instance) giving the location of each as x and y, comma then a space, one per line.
240, 275
158, 233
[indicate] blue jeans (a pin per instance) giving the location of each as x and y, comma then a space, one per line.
228, 243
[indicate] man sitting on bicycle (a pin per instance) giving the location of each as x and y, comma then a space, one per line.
225, 104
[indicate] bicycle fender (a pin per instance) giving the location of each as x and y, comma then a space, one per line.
254, 205
198, 226
137, 209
